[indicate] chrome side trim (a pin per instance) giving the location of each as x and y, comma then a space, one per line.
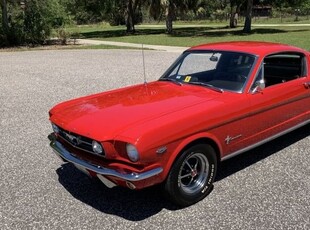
67, 156
264, 141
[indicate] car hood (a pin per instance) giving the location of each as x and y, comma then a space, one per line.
105, 115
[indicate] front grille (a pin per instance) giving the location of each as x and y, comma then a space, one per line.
77, 141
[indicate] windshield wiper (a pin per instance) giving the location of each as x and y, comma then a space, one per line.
207, 85
172, 80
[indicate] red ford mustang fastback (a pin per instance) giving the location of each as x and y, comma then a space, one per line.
216, 101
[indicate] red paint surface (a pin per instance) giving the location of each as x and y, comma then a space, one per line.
166, 114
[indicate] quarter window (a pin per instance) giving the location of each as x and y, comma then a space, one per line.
283, 67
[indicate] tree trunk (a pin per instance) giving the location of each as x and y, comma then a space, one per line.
248, 17
233, 18
130, 18
169, 17
5, 21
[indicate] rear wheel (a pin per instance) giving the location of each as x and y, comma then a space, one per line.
192, 175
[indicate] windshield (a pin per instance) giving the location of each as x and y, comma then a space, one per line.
219, 69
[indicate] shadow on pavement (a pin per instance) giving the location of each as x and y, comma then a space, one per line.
139, 205
123, 202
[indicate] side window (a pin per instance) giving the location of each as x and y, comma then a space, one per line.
283, 67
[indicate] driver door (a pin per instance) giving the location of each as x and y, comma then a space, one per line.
284, 103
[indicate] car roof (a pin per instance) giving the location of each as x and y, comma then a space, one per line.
252, 47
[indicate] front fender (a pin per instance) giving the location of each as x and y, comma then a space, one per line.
203, 136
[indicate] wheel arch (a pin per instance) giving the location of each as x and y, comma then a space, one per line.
204, 138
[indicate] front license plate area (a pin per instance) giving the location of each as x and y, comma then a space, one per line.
82, 169
105, 181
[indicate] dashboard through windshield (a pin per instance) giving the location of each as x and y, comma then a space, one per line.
219, 69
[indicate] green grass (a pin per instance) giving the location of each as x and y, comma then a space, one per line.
288, 20
62, 47
255, 20
191, 35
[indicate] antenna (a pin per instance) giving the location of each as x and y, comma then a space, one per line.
144, 75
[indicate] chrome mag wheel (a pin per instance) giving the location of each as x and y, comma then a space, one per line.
191, 176
193, 173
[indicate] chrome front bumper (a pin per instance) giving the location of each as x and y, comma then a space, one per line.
64, 154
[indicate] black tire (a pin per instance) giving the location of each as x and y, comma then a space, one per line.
192, 175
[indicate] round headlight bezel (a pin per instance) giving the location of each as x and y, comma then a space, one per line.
132, 152
97, 148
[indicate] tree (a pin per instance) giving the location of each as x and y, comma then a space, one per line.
235, 6
248, 17
306, 7
5, 22
158, 7
130, 17
10, 32
170, 15
36, 26
131, 9
30, 22
170, 8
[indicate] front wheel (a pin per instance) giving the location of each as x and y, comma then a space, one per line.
192, 175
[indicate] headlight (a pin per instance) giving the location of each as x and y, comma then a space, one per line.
97, 148
55, 128
132, 152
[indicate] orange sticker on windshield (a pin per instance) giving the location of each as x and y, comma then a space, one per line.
187, 78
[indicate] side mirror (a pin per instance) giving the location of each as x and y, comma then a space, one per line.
259, 87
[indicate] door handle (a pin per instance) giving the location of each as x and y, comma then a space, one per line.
307, 85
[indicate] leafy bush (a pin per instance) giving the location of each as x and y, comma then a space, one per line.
63, 35
37, 25
32, 23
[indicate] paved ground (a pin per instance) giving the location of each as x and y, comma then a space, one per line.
173, 49
267, 188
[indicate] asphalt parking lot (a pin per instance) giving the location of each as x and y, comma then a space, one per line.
266, 188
